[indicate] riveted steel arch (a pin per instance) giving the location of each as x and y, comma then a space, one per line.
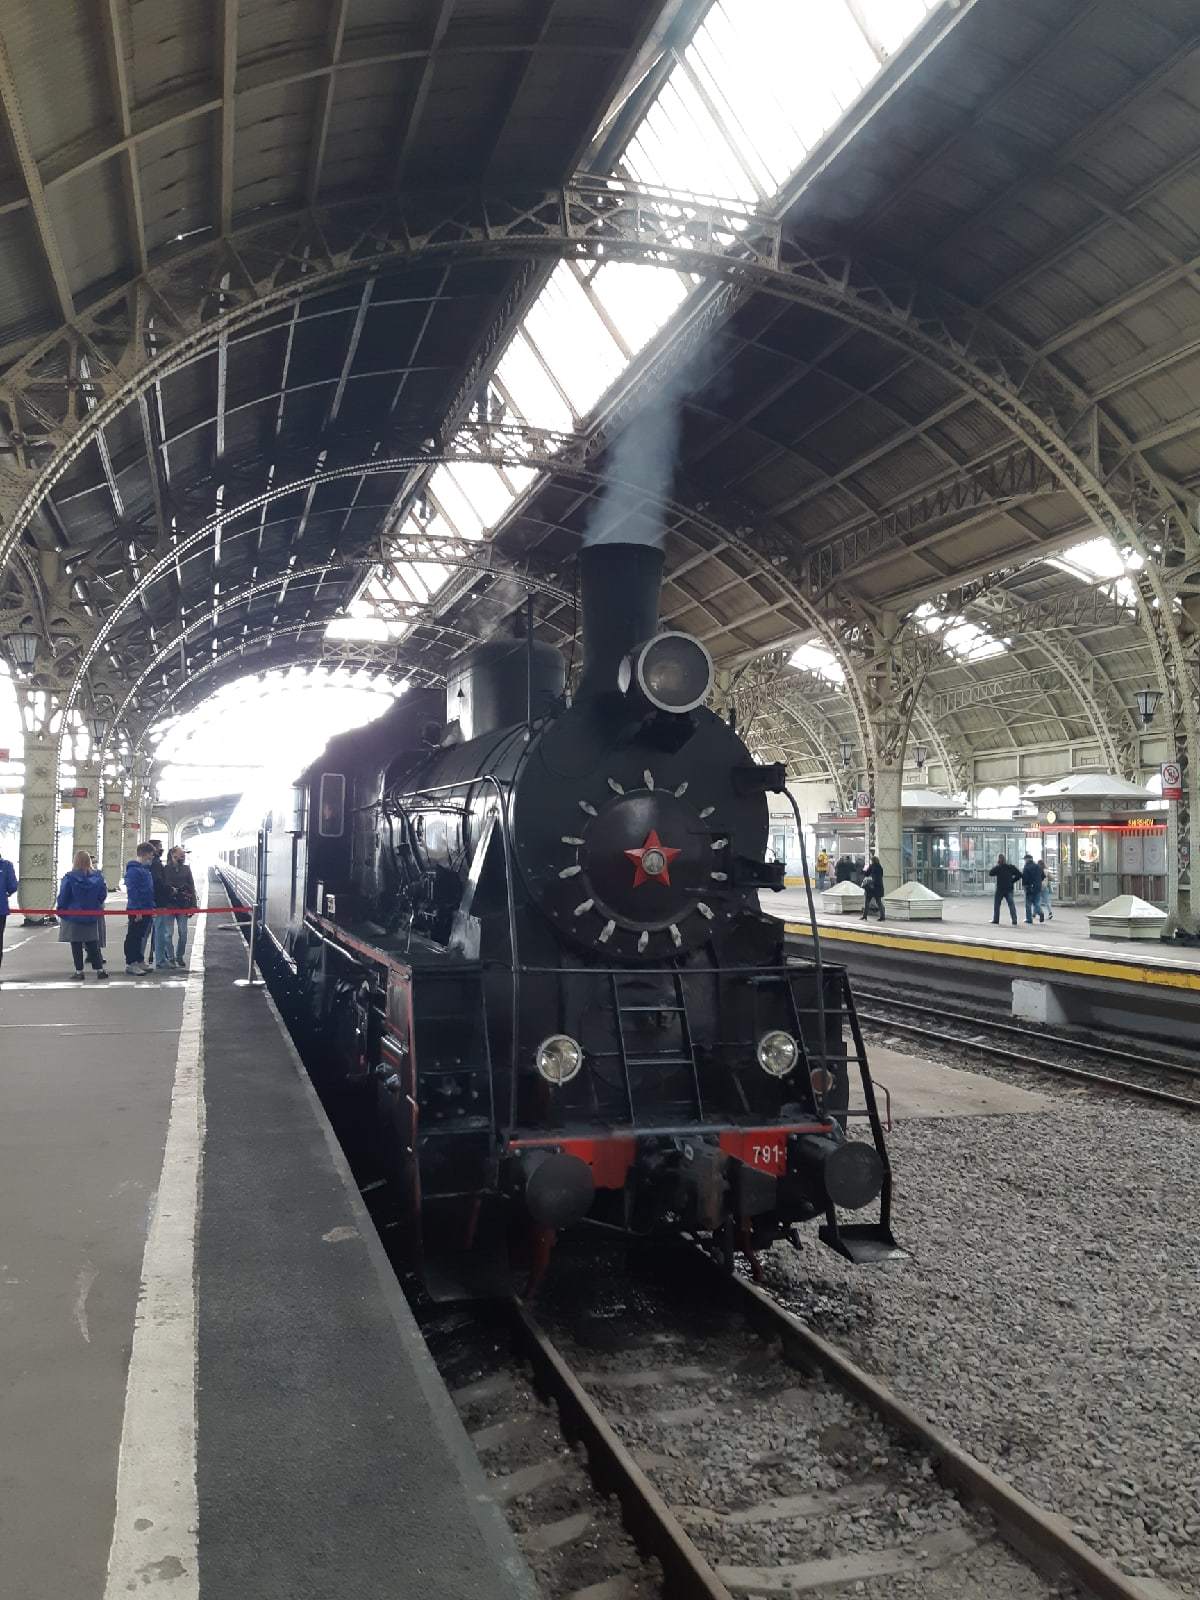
1025, 391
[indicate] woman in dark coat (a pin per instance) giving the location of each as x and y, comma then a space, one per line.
82, 889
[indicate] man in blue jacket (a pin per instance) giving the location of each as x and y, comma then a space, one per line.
139, 899
8, 885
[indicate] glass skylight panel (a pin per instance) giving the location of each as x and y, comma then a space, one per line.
539, 403
640, 300
966, 640
573, 341
487, 492
815, 658
758, 86
761, 83
448, 495
1096, 560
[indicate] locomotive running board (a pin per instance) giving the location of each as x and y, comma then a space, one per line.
864, 1243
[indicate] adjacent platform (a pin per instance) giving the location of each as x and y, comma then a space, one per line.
1061, 975
274, 1360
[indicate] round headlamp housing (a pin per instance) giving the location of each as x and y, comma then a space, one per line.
672, 671
777, 1053
559, 1058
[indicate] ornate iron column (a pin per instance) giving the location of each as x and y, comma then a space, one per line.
87, 808
39, 822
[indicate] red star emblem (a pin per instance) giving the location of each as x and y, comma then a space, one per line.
653, 860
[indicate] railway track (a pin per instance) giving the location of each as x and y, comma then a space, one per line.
746, 1467
1153, 1075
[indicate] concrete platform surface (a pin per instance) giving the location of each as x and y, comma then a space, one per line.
921, 1088
211, 1386
969, 921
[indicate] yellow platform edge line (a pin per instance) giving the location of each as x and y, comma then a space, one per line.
1124, 971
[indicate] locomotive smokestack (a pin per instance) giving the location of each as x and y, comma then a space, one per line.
619, 586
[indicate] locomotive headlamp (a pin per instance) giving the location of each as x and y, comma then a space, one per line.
559, 1058
673, 671
777, 1053
822, 1080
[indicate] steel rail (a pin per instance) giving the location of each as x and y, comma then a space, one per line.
646, 1515
998, 1025
1039, 1537
1022, 1058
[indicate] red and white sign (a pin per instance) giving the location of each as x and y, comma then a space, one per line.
1172, 781
114, 810
3, 754
862, 804
74, 794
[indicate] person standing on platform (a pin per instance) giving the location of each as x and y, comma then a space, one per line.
873, 888
844, 870
139, 902
822, 868
160, 935
8, 886
83, 889
182, 889
1044, 893
1006, 876
1031, 882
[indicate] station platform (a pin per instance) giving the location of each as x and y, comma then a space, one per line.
1062, 975
211, 1385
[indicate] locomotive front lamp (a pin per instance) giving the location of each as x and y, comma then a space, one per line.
1146, 701
673, 671
559, 1058
777, 1053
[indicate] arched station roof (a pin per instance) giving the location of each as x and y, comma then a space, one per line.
250, 293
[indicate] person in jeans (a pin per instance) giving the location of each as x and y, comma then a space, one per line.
1006, 876
181, 886
139, 901
160, 955
83, 889
1031, 881
8, 886
822, 868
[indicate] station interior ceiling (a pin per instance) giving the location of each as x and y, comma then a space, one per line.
325, 326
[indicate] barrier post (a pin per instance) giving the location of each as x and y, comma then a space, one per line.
250, 978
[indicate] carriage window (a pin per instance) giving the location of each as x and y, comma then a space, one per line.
333, 805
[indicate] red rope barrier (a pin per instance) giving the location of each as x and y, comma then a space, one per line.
157, 911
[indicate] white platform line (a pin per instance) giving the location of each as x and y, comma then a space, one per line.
154, 1540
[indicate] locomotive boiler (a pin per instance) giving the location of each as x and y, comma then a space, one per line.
522, 929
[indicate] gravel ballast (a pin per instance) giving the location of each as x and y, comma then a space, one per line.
1048, 1315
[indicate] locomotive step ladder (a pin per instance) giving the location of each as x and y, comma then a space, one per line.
680, 1053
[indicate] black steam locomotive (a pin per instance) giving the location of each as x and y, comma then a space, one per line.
524, 934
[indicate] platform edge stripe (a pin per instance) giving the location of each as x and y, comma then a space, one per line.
493, 1525
156, 1465
1081, 966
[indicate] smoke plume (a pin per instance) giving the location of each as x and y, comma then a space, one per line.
640, 465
